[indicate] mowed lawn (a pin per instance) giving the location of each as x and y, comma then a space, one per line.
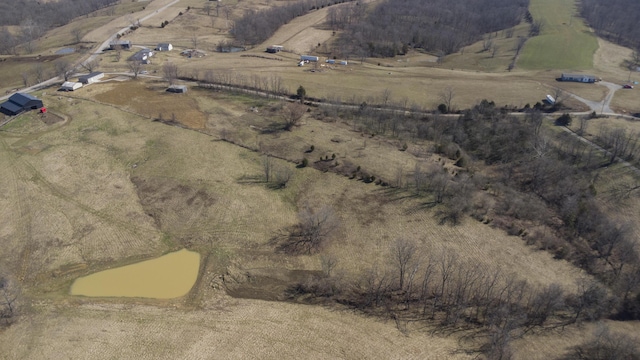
565, 42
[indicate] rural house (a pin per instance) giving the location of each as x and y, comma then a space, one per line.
578, 78
20, 102
164, 47
91, 77
144, 56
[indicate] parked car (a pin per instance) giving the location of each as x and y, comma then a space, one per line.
627, 86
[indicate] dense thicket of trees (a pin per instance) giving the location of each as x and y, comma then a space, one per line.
36, 17
257, 26
434, 25
615, 20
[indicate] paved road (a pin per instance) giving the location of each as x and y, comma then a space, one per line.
98, 51
113, 37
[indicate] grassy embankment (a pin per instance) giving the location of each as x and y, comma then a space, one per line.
565, 42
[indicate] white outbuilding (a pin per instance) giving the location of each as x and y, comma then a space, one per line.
91, 77
70, 86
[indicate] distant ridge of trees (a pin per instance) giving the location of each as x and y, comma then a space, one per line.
257, 26
614, 20
433, 25
48, 14
36, 17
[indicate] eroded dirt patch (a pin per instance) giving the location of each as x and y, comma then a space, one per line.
272, 284
176, 208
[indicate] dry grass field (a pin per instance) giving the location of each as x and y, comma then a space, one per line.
106, 187
122, 171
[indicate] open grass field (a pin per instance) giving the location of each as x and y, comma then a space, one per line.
564, 43
99, 184
106, 187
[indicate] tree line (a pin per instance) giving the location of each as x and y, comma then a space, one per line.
541, 187
434, 25
614, 20
34, 18
417, 285
255, 27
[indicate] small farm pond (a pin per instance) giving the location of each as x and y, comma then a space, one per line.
166, 277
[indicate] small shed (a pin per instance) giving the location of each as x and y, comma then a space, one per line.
178, 89
578, 78
120, 44
20, 102
70, 86
164, 47
91, 78
275, 49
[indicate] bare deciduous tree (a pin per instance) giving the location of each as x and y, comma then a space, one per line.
135, 66
9, 300
447, 96
328, 262
170, 71
403, 252
315, 227
64, 68
77, 34
91, 65
25, 78
606, 345
292, 114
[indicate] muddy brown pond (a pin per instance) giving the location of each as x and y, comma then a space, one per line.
166, 277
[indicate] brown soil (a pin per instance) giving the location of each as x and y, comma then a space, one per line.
50, 118
150, 99
174, 206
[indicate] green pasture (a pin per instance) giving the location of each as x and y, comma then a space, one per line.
565, 41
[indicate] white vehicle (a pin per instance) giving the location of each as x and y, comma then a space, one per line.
551, 100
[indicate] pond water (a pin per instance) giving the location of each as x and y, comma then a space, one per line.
166, 277
65, 51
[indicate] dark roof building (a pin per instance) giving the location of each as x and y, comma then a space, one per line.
123, 44
179, 89
144, 56
20, 102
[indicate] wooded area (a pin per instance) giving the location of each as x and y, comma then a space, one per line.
433, 25
614, 20
257, 26
34, 18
